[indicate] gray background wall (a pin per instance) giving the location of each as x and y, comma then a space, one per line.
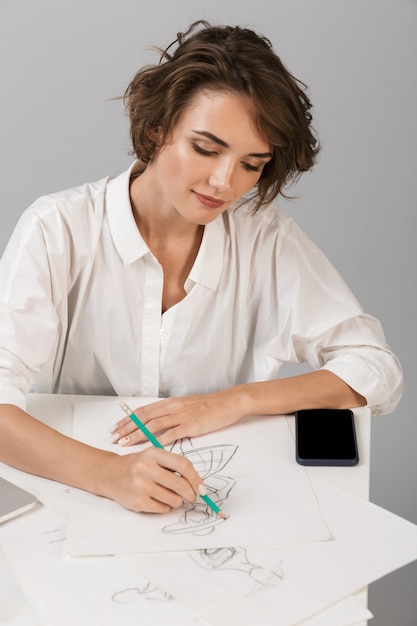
61, 63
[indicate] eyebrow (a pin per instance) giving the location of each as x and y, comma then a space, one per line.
220, 142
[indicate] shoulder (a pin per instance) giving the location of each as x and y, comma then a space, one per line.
270, 223
88, 196
63, 224
272, 237
57, 216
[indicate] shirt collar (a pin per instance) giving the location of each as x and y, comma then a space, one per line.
130, 245
208, 265
126, 236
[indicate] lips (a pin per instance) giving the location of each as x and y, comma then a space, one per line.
209, 201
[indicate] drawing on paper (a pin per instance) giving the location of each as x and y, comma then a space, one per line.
236, 559
198, 518
56, 535
146, 590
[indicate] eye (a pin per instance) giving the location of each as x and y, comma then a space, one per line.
252, 168
201, 150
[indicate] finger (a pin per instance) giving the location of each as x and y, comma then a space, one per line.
177, 492
171, 471
186, 481
152, 476
135, 437
126, 432
148, 505
168, 406
167, 497
161, 424
173, 434
186, 429
122, 428
125, 425
127, 437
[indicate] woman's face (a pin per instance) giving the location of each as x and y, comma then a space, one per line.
214, 156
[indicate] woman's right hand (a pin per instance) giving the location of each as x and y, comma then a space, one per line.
153, 480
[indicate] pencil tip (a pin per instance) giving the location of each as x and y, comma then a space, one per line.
222, 515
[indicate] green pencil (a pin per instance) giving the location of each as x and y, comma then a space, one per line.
157, 444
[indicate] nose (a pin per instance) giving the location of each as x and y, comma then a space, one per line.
222, 176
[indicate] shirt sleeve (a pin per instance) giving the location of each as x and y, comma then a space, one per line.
371, 368
28, 320
327, 328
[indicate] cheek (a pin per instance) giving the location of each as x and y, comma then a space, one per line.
181, 164
244, 183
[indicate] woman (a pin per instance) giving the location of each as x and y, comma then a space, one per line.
180, 279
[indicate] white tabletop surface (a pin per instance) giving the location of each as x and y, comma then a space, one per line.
57, 411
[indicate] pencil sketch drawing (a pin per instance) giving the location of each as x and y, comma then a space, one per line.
197, 518
149, 591
145, 590
236, 559
56, 535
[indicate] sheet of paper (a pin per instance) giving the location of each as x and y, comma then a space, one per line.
249, 471
257, 583
347, 612
15, 609
98, 591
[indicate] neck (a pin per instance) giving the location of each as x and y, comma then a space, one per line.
173, 240
157, 221
162, 228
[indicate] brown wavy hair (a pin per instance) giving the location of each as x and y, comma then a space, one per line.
234, 59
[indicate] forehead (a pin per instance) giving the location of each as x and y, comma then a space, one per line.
228, 115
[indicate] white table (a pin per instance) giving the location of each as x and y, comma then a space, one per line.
57, 411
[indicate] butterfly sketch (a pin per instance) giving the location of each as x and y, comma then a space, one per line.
197, 518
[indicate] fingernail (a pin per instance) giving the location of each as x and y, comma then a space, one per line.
113, 428
114, 438
123, 441
202, 491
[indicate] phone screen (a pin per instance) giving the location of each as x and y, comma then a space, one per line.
326, 437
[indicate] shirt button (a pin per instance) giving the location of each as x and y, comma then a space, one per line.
163, 332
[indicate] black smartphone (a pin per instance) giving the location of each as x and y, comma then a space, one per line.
326, 437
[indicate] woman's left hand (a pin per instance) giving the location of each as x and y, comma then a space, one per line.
179, 417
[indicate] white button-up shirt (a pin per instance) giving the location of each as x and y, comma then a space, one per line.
80, 306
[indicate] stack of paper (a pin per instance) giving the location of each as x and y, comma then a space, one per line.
293, 550
292, 545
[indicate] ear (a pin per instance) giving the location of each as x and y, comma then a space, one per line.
154, 134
